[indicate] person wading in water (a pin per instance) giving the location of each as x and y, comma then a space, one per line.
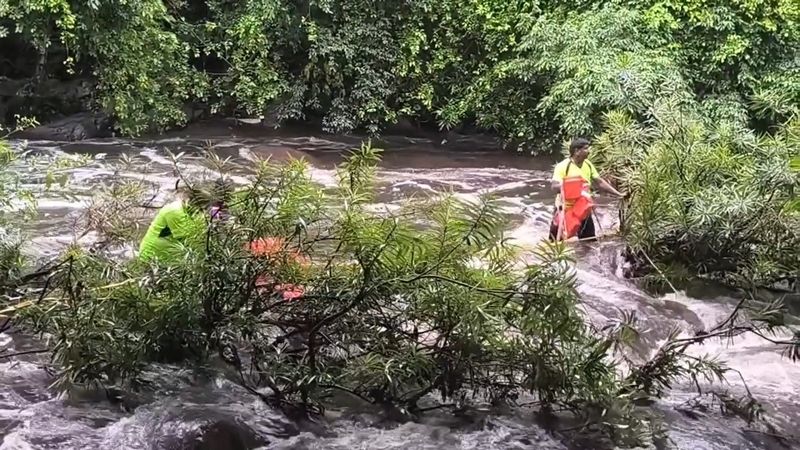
576, 168
182, 219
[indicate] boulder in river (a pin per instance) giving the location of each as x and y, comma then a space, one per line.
224, 434
218, 433
76, 127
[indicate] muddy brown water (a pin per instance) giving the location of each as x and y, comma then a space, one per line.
201, 408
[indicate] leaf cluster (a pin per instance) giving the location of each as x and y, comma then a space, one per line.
709, 196
534, 72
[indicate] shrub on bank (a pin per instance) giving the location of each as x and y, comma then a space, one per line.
530, 71
709, 196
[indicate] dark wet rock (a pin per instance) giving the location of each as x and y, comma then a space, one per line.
195, 111
10, 87
73, 128
8, 425
215, 434
46, 101
403, 126
219, 422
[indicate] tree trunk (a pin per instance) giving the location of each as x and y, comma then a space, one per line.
41, 65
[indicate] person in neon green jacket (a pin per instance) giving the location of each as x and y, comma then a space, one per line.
171, 226
176, 222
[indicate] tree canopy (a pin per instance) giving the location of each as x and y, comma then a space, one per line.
532, 71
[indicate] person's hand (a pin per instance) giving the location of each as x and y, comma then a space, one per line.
618, 194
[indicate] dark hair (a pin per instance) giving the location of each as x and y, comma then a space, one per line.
206, 193
577, 144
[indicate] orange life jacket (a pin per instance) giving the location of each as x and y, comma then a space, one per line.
574, 190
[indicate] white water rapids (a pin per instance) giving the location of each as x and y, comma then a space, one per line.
184, 401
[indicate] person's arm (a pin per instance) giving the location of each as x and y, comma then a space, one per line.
558, 175
602, 184
607, 187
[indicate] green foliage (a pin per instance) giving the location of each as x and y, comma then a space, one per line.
709, 196
429, 302
778, 94
531, 71
242, 45
727, 46
118, 194
794, 165
15, 201
570, 68
426, 304
142, 67
389, 312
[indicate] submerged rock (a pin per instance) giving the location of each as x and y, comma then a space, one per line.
224, 417
73, 128
214, 434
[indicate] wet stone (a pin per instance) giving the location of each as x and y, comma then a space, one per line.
218, 434
7, 426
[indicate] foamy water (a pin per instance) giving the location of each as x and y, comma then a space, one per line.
31, 417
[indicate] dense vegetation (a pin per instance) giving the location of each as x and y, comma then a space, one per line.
425, 307
532, 71
710, 196
20, 185
695, 105
707, 84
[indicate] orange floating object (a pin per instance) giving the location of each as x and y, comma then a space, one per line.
575, 216
267, 246
581, 208
575, 190
272, 246
290, 291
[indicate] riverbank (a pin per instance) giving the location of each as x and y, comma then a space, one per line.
93, 127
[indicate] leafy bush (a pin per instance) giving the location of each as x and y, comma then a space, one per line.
10, 239
570, 67
533, 72
708, 196
393, 306
727, 47
308, 293
18, 199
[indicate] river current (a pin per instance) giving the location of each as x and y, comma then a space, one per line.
199, 408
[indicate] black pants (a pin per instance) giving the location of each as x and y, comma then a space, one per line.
586, 231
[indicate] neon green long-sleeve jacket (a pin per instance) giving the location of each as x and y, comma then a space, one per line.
171, 226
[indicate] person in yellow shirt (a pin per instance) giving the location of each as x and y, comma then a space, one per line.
576, 165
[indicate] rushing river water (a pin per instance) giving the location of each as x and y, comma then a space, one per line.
187, 403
